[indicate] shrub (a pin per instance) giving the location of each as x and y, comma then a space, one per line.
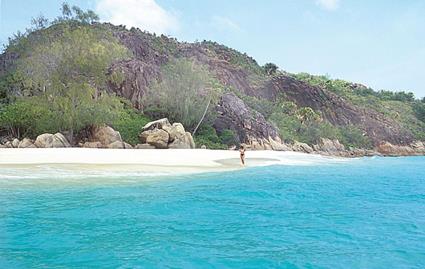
26, 118
207, 136
186, 91
270, 68
129, 123
229, 137
352, 136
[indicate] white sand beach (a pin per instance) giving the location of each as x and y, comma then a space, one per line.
167, 160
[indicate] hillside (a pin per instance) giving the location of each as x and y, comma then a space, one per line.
245, 102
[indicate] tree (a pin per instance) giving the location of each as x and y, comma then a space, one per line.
270, 68
184, 94
39, 22
69, 74
307, 115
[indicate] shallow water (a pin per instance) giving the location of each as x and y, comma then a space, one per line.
362, 213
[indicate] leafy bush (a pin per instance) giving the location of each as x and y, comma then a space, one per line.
419, 109
229, 137
207, 136
185, 92
352, 136
129, 123
26, 118
270, 69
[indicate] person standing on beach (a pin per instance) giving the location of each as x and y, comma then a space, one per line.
242, 154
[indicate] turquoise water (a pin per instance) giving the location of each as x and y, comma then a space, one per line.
364, 213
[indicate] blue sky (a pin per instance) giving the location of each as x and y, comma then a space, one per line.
379, 43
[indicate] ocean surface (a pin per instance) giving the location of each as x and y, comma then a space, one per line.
359, 213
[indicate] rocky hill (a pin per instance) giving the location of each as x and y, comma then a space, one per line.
261, 107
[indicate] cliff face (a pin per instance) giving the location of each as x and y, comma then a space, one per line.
245, 77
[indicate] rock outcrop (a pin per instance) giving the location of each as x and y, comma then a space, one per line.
388, 149
161, 135
329, 147
26, 143
57, 140
103, 137
302, 147
250, 126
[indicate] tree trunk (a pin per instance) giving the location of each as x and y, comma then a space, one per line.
202, 118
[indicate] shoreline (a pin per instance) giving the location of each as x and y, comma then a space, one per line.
155, 160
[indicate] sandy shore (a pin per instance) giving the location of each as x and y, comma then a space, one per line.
172, 160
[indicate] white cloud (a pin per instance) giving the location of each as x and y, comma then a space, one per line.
144, 14
328, 4
224, 23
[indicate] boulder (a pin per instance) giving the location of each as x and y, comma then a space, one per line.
388, 149
418, 146
162, 134
175, 131
144, 146
8, 144
328, 145
184, 141
203, 147
156, 137
105, 135
26, 143
51, 141
116, 145
15, 143
276, 144
158, 124
95, 144
302, 147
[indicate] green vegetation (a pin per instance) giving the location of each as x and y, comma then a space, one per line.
129, 122
187, 93
400, 106
61, 76
59, 82
270, 69
208, 136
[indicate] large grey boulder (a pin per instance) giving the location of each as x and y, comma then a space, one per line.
302, 147
328, 145
184, 141
15, 143
175, 131
156, 137
119, 145
161, 134
57, 140
158, 124
144, 146
95, 144
105, 135
26, 143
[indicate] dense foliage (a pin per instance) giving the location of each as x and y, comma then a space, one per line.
129, 122
187, 93
60, 78
400, 106
59, 82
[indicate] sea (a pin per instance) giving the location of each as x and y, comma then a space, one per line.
359, 213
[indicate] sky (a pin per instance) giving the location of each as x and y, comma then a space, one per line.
379, 43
